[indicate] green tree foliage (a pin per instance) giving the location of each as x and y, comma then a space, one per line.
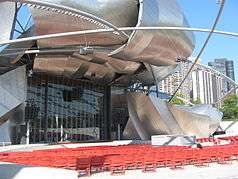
197, 101
177, 101
230, 107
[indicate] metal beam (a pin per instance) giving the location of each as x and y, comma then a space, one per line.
22, 28
203, 47
27, 22
219, 73
226, 95
83, 32
225, 77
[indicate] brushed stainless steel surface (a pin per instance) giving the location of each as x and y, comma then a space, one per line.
95, 66
62, 21
11, 54
158, 47
110, 10
13, 89
155, 117
202, 120
149, 117
135, 118
161, 49
119, 66
51, 21
150, 76
73, 68
8, 13
158, 73
155, 47
130, 131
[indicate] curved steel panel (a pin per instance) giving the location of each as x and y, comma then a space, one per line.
62, 21
202, 120
11, 54
152, 116
158, 73
158, 47
121, 13
73, 68
13, 87
149, 76
148, 117
8, 13
95, 66
119, 66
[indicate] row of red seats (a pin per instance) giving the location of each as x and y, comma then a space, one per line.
151, 161
232, 139
117, 159
203, 140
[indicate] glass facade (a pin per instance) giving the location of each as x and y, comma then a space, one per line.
61, 109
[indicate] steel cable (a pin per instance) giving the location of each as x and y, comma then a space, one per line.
202, 49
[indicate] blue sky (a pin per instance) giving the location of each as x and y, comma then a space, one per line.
201, 13
23, 15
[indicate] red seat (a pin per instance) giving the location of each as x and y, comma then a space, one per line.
117, 165
97, 163
149, 162
83, 166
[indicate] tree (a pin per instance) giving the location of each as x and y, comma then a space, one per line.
230, 107
197, 101
178, 101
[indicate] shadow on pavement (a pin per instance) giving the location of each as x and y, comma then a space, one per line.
9, 171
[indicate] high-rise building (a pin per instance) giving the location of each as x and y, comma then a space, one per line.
207, 86
203, 84
230, 72
172, 82
225, 67
219, 65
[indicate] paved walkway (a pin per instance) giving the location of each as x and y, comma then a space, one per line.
214, 171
